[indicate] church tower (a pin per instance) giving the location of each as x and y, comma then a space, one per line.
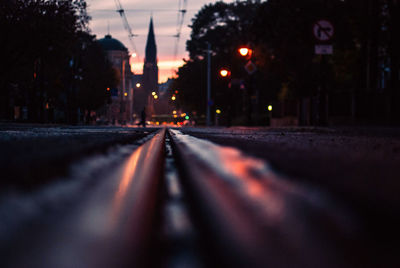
150, 69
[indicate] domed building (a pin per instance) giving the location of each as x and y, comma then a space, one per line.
121, 107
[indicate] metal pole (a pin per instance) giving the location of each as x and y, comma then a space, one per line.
122, 108
208, 83
368, 67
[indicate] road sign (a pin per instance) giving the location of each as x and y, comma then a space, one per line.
323, 49
114, 92
323, 30
250, 67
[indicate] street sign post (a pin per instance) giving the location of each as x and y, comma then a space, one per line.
323, 49
323, 30
250, 67
114, 93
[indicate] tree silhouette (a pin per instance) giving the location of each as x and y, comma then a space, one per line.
43, 58
280, 33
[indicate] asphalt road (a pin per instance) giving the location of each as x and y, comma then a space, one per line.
364, 163
33, 155
359, 168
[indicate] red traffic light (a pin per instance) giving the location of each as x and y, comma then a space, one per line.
224, 72
245, 51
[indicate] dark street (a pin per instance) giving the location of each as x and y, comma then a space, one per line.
307, 196
207, 133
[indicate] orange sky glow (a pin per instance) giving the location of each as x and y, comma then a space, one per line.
106, 20
167, 67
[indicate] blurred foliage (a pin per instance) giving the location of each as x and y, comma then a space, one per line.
49, 60
280, 34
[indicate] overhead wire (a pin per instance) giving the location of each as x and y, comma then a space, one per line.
127, 27
182, 9
141, 10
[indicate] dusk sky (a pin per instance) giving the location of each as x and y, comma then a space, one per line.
138, 13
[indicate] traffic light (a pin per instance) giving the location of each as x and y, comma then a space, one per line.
224, 72
245, 51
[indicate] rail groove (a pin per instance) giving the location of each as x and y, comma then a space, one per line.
254, 217
201, 205
112, 226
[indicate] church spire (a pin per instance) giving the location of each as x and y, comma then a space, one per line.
151, 48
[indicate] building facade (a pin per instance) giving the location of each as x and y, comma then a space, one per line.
150, 71
120, 110
139, 100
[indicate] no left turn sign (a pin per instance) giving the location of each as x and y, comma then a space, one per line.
323, 30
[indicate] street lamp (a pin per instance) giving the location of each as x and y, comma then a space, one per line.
217, 114
250, 68
173, 98
245, 51
138, 85
224, 72
269, 115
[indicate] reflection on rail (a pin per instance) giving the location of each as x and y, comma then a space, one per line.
128, 175
254, 216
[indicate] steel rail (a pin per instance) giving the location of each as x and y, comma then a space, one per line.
254, 217
113, 225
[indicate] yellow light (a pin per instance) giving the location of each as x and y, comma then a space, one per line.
175, 116
153, 93
173, 98
218, 111
138, 84
224, 72
157, 123
155, 97
125, 94
270, 108
183, 115
174, 112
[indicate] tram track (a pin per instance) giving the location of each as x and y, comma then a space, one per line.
182, 201
31, 157
253, 216
111, 217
